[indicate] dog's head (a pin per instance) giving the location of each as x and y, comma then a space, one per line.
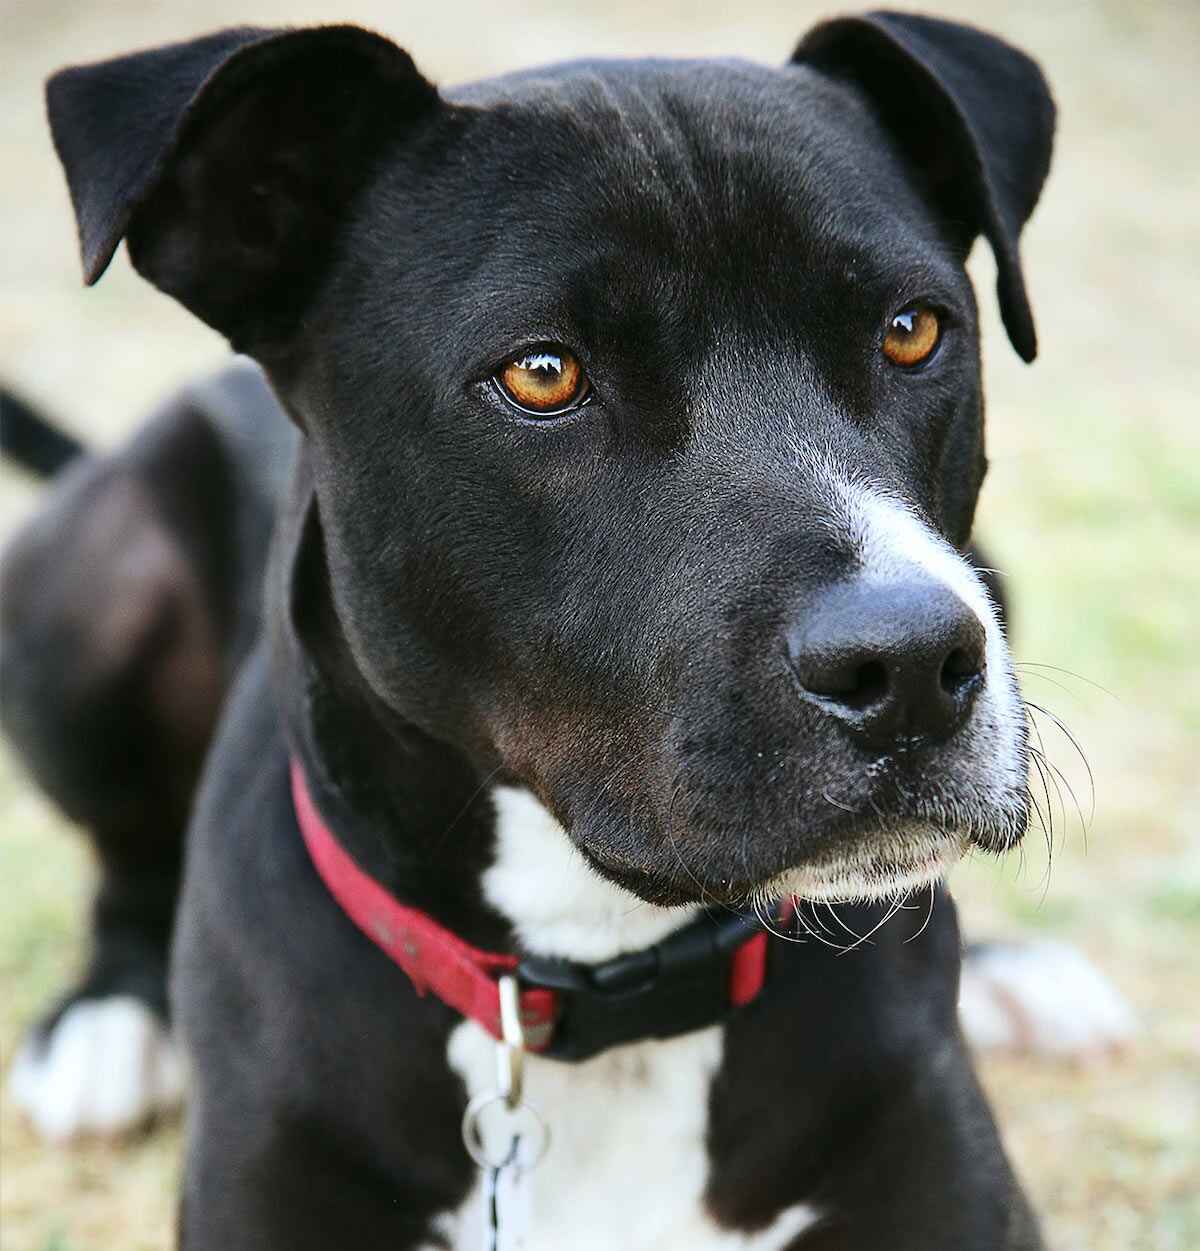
642, 403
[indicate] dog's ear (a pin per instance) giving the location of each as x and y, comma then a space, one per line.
227, 162
974, 114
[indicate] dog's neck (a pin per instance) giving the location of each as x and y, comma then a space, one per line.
444, 833
411, 811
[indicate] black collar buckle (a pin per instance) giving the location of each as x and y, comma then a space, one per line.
674, 987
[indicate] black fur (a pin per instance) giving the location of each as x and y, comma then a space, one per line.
974, 114
32, 440
126, 604
591, 607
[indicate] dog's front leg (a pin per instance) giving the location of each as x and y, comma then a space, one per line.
928, 1175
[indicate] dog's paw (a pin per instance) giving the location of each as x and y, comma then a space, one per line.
1043, 998
106, 1066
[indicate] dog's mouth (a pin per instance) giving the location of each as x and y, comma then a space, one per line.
837, 823
893, 859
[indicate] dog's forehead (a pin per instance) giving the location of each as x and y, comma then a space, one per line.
656, 125
678, 91
653, 185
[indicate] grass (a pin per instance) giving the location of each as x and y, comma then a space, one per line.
1092, 506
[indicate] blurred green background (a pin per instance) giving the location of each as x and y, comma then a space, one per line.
1092, 509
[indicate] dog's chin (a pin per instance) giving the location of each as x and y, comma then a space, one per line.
887, 867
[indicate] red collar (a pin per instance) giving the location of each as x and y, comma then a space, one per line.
567, 1010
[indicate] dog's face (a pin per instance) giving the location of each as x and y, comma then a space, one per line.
643, 411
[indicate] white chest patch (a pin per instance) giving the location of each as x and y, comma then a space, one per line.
627, 1162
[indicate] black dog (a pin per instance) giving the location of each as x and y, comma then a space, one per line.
641, 420
127, 602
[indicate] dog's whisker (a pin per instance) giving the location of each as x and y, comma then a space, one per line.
1079, 677
817, 919
912, 938
831, 908
1033, 801
801, 906
893, 909
1037, 759
1065, 781
669, 828
479, 790
829, 799
1069, 735
1051, 773
762, 912
806, 913
1051, 682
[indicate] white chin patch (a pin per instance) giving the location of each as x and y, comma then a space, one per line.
108, 1066
558, 904
908, 861
1042, 998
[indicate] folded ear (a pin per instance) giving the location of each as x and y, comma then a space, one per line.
973, 113
228, 161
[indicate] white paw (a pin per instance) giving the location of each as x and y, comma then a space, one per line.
108, 1066
1041, 997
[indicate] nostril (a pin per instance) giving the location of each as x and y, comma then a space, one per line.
849, 681
870, 686
960, 669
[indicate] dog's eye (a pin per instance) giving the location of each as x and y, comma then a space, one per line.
911, 336
544, 382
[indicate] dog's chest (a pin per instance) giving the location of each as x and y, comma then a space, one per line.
627, 1162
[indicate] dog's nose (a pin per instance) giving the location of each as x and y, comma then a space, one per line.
890, 660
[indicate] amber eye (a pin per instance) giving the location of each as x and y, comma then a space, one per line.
912, 336
544, 382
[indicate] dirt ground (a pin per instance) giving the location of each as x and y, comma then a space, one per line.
1093, 506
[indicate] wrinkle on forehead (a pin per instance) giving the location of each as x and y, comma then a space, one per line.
701, 146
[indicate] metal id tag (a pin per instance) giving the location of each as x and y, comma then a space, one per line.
505, 1136
506, 1203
